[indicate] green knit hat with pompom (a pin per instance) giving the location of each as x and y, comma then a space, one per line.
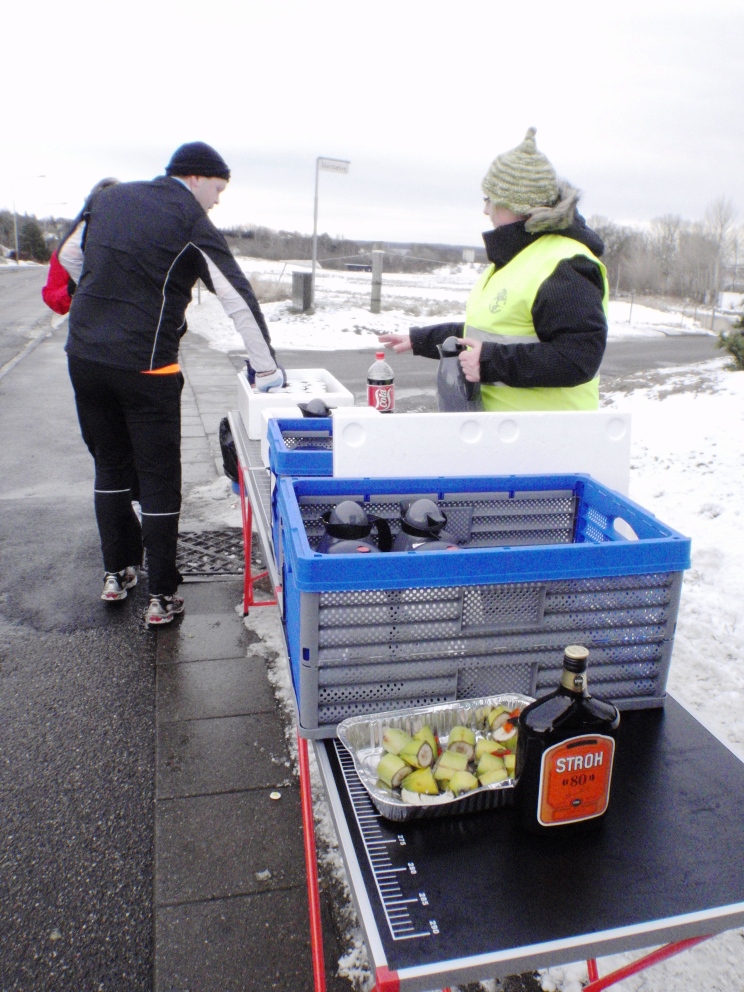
521, 179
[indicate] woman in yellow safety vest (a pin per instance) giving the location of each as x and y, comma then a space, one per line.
536, 320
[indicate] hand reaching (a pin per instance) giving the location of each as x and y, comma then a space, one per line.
398, 342
266, 381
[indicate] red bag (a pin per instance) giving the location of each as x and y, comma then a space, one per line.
56, 293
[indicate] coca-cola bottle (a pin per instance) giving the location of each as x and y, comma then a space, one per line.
380, 385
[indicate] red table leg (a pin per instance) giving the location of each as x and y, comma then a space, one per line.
388, 981
669, 950
249, 578
311, 867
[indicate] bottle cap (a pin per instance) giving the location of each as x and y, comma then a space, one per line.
575, 658
379, 354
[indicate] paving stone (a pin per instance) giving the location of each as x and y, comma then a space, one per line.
196, 472
216, 596
197, 455
201, 757
195, 443
208, 689
202, 637
268, 937
210, 847
197, 431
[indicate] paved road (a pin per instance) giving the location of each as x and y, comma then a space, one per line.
23, 315
415, 378
76, 712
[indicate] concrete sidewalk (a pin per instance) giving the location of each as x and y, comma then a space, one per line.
230, 897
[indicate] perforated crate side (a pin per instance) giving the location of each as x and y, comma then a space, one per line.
367, 666
498, 521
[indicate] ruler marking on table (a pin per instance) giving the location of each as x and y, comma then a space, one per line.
394, 901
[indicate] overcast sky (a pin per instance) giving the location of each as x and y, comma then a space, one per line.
639, 104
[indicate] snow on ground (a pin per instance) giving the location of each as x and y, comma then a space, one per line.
687, 463
342, 319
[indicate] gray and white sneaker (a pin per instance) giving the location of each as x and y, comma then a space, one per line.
162, 609
115, 584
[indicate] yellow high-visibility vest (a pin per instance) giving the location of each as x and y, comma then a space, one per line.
500, 309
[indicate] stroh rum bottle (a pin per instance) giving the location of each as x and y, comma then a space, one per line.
565, 753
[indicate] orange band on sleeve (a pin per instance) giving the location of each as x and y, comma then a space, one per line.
166, 370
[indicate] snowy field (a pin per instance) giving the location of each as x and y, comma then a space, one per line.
343, 320
687, 465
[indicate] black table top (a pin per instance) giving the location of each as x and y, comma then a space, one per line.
467, 897
473, 896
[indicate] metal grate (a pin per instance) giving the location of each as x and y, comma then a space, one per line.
210, 552
303, 442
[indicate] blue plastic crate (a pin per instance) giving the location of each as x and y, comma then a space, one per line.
297, 447
541, 565
301, 448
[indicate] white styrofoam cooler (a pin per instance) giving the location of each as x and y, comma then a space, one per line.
594, 442
302, 385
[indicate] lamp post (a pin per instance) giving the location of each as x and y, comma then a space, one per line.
328, 165
15, 219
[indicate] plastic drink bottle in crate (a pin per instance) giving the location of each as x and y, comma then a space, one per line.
381, 385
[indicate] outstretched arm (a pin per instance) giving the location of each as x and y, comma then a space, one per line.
222, 275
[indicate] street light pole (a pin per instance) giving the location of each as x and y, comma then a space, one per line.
15, 223
15, 232
328, 165
315, 235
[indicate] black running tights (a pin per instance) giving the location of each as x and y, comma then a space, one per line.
131, 423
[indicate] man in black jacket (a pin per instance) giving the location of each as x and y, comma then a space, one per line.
135, 258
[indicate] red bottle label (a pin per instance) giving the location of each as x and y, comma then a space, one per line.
381, 397
575, 778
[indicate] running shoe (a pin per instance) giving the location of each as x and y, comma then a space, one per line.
162, 609
115, 584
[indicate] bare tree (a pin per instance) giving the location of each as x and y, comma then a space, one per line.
664, 245
621, 244
719, 218
697, 252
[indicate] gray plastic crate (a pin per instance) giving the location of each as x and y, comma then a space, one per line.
386, 649
362, 650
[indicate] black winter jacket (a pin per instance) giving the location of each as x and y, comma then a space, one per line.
145, 245
568, 316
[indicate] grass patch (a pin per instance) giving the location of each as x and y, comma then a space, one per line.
269, 290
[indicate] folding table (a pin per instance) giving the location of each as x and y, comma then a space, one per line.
462, 898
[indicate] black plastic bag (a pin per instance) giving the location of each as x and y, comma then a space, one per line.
229, 451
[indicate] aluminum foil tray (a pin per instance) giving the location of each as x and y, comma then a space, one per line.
362, 738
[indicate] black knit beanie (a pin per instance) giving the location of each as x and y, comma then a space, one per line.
197, 159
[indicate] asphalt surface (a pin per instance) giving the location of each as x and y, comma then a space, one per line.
23, 316
140, 849
415, 378
76, 712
